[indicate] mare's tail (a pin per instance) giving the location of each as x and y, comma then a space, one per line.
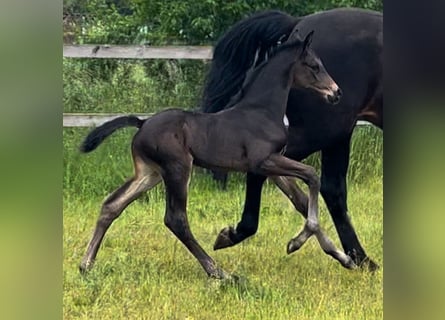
97, 135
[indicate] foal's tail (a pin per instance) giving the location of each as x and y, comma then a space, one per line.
95, 137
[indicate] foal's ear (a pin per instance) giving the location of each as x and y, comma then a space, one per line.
308, 40
293, 34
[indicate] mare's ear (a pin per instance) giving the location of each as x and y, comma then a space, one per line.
308, 40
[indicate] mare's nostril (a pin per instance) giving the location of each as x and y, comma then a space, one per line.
339, 92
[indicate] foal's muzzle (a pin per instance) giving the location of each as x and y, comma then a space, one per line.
335, 96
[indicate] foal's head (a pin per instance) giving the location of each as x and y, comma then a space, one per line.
309, 72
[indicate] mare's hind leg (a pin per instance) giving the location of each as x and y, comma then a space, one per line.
176, 178
279, 165
145, 179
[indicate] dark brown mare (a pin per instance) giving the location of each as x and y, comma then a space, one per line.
249, 137
350, 43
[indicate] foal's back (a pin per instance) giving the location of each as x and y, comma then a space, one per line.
230, 139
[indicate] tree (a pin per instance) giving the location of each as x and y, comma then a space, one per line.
178, 22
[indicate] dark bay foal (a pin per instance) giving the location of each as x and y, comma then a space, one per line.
249, 137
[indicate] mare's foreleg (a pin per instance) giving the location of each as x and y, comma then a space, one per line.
248, 226
113, 207
221, 177
278, 165
335, 162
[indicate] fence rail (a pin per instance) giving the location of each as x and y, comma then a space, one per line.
129, 52
96, 119
137, 52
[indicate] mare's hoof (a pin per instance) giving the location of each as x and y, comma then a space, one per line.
225, 238
293, 245
368, 265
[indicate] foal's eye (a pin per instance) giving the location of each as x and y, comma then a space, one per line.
313, 67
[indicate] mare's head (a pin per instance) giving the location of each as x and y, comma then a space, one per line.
308, 70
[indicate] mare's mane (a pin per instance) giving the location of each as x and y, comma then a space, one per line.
258, 64
235, 51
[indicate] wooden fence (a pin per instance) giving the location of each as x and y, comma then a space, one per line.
93, 119
125, 52
137, 52
96, 119
128, 52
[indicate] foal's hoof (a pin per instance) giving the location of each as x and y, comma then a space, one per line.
222, 279
220, 274
348, 263
293, 245
84, 267
225, 238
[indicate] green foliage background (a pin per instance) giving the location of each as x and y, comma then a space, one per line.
190, 22
112, 85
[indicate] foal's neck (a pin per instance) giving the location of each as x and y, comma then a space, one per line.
269, 90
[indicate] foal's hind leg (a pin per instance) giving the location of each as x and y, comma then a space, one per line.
145, 179
300, 202
279, 165
176, 178
298, 198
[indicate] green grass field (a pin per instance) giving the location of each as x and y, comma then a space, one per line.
143, 272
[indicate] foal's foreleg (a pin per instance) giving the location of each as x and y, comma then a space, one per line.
278, 165
176, 179
112, 208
